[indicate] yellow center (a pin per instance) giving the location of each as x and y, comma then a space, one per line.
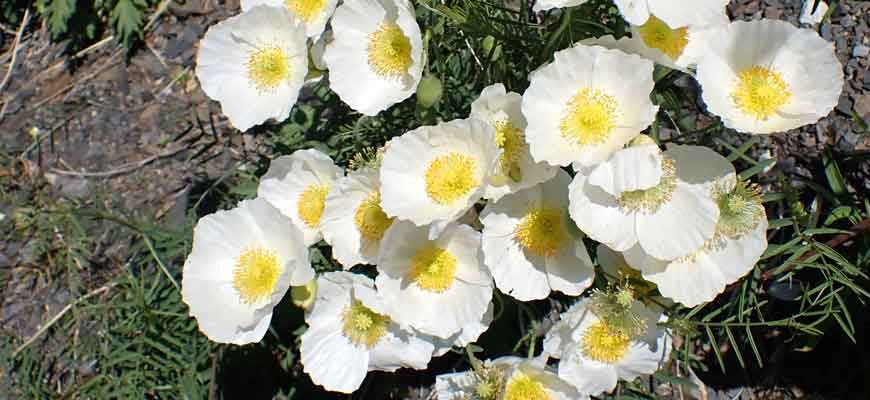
648, 201
307, 10
760, 92
255, 274
658, 35
602, 344
450, 177
588, 117
268, 67
542, 231
389, 51
512, 142
362, 326
524, 387
371, 221
311, 203
433, 268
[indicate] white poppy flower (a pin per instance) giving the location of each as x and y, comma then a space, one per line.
587, 104
544, 5
353, 222
254, 64
298, 185
593, 356
434, 174
350, 334
516, 170
660, 200
469, 333
740, 239
675, 14
376, 57
768, 76
513, 377
675, 48
313, 13
530, 248
437, 287
242, 263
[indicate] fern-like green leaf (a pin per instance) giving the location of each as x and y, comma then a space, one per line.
58, 13
127, 18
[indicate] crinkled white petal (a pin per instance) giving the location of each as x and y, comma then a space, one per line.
675, 14
495, 105
289, 176
407, 159
795, 54
339, 224
468, 334
624, 77
598, 214
222, 64
314, 26
681, 225
350, 74
544, 5
441, 314
519, 272
702, 276
699, 165
207, 282
633, 168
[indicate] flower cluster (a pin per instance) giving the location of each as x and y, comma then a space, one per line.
451, 212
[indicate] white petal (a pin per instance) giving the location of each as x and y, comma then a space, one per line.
680, 226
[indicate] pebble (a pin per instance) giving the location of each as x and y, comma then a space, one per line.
860, 51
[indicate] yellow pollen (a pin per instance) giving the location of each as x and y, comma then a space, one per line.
311, 203
542, 231
389, 51
255, 274
760, 92
524, 387
588, 117
450, 177
602, 344
362, 326
648, 201
433, 268
658, 35
512, 141
268, 67
306, 10
371, 221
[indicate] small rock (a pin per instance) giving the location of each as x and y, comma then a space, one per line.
860, 51
845, 105
862, 105
810, 17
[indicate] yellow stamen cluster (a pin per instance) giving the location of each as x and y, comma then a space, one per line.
268, 67
542, 231
657, 34
512, 142
306, 10
760, 92
255, 274
524, 387
602, 344
450, 176
311, 204
362, 326
371, 221
589, 117
648, 201
389, 51
433, 269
